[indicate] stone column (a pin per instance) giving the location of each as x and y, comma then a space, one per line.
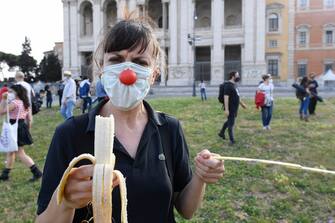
67, 34
217, 74
120, 5
74, 36
173, 32
260, 36
132, 5
97, 23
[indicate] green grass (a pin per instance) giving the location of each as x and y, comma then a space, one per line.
248, 192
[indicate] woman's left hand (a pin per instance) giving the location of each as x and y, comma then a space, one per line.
207, 168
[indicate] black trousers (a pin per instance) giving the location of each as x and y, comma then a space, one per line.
230, 125
312, 105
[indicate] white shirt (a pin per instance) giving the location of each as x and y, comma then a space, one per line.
202, 85
268, 90
27, 87
69, 92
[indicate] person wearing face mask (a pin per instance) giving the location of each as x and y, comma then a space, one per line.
68, 96
130, 57
231, 104
267, 87
18, 108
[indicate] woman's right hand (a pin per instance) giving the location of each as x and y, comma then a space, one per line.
78, 189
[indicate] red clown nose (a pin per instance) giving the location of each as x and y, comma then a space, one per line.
128, 77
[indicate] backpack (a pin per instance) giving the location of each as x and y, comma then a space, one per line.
83, 90
35, 104
221, 93
259, 99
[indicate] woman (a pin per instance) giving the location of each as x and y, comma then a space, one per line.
304, 97
153, 191
18, 108
267, 87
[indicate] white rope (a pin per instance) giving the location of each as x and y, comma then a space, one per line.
290, 165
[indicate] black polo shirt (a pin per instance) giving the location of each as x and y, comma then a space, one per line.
149, 187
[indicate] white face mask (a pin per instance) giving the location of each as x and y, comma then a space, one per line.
129, 95
271, 81
11, 96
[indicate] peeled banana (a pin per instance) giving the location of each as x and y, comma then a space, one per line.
104, 162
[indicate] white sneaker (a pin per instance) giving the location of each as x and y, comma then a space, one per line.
265, 128
268, 127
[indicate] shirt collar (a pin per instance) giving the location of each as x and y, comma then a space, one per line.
157, 117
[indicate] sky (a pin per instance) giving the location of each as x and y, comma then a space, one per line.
40, 20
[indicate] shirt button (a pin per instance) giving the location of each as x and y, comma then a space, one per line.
161, 156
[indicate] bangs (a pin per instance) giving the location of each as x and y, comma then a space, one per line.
128, 35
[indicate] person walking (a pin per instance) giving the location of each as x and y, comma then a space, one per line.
313, 85
202, 87
48, 96
69, 96
267, 88
18, 107
60, 93
84, 94
142, 137
231, 104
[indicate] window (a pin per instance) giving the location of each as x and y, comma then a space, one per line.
273, 23
302, 39
328, 66
303, 4
329, 37
273, 43
302, 70
329, 3
273, 67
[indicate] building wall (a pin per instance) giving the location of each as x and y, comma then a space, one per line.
249, 35
282, 37
316, 53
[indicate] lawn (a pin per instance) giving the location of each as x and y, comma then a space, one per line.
248, 192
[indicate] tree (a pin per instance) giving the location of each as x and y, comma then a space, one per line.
10, 59
26, 62
50, 69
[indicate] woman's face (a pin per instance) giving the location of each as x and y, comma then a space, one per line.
144, 59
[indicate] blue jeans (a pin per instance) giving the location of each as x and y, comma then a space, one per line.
203, 94
87, 104
67, 110
266, 115
304, 104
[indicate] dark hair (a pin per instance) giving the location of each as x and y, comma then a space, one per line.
304, 81
21, 93
129, 34
232, 74
265, 77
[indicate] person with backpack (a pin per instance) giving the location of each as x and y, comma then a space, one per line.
84, 94
229, 96
303, 94
18, 108
267, 88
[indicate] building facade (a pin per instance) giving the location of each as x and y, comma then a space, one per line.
315, 36
57, 50
279, 46
203, 40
